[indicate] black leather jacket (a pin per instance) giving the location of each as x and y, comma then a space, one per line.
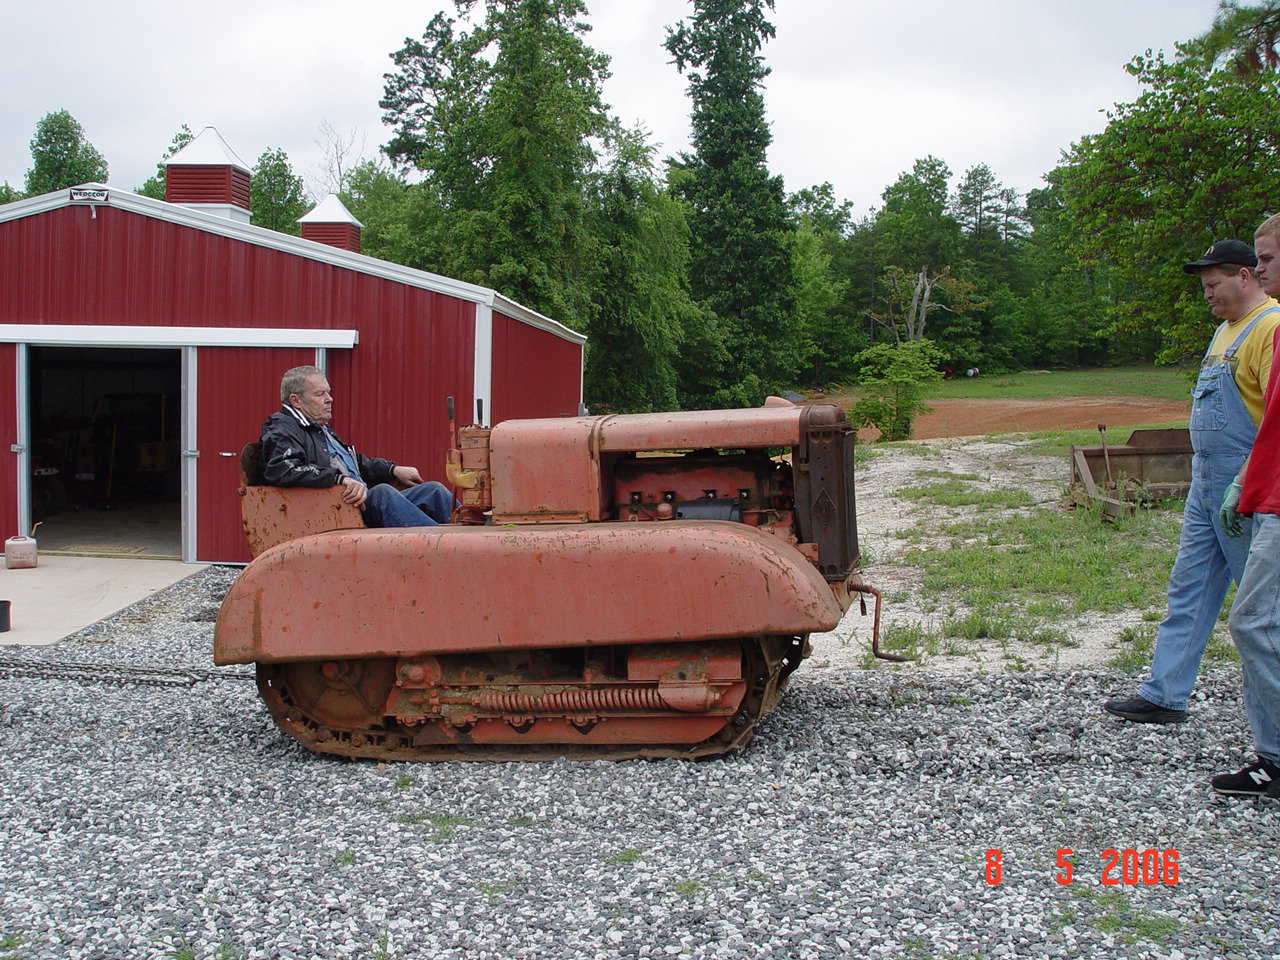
294, 454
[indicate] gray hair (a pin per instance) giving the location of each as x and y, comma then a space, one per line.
295, 380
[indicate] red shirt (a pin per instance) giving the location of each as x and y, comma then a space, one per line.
1261, 493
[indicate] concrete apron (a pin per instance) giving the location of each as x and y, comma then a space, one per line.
65, 594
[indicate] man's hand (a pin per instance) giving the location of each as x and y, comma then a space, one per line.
409, 476
1232, 522
353, 491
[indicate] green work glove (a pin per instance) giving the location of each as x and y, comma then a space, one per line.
1232, 522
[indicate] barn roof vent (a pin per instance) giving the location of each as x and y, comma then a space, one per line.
331, 222
206, 173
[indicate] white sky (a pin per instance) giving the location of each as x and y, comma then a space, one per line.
859, 89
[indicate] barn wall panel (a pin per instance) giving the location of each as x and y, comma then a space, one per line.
535, 373
236, 389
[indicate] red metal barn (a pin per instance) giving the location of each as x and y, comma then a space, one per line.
138, 335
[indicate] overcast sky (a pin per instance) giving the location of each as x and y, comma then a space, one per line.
859, 89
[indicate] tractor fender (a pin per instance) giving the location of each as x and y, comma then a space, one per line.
455, 589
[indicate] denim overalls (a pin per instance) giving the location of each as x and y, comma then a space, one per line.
1222, 433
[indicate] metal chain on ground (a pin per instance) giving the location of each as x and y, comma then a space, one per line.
86, 672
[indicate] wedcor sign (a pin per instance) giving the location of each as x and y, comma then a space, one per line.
89, 195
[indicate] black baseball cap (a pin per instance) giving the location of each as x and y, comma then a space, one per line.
1224, 251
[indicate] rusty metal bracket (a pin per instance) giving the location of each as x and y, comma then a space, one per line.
875, 623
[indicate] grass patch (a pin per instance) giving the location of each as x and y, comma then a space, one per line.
344, 858
689, 888
911, 640
956, 491
1136, 646
1046, 556
1170, 383
442, 822
629, 855
978, 626
1117, 915
493, 889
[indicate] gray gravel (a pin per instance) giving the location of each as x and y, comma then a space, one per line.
173, 820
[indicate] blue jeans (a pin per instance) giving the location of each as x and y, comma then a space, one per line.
423, 505
1255, 627
1208, 560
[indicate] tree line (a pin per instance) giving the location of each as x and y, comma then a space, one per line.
701, 282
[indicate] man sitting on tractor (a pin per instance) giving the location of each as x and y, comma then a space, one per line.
299, 449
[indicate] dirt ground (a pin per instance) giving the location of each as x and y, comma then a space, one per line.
973, 417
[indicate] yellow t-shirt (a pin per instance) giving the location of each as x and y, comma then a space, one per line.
1252, 364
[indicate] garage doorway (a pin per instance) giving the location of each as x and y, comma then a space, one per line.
106, 429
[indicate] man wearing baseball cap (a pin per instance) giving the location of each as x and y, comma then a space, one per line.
1226, 408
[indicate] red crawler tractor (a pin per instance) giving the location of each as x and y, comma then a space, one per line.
616, 586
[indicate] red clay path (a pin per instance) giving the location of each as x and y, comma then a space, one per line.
970, 417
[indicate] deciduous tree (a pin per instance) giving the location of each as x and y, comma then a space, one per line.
155, 185
62, 156
1182, 166
277, 199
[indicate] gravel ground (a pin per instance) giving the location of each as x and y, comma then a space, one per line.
174, 821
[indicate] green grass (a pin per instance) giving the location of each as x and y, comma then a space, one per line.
1058, 443
1117, 915
1062, 559
1170, 383
630, 855
957, 492
442, 822
689, 888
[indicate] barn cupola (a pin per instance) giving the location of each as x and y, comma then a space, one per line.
207, 174
331, 222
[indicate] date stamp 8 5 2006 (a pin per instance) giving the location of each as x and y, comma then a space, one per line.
1128, 867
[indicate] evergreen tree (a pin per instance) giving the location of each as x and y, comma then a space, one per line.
741, 271
643, 309
277, 199
62, 157
1246, 38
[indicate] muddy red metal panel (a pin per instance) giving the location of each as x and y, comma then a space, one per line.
535, 373
236, 388
380, 593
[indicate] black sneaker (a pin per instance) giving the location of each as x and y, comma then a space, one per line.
1255, 780
1141, 710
